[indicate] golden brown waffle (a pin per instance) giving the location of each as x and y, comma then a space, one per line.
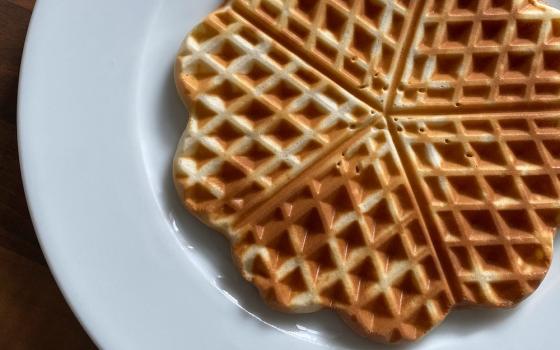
492, 186
347, 151
348, 235
484, 53
260, 115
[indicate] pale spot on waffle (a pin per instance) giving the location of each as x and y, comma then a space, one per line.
385, 159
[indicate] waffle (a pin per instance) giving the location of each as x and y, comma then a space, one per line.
492, 186
346, 150
483, 54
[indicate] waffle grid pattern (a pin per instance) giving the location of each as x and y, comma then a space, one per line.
493, 185
351, 237
332, 200
482, 53
254, 126
361, 39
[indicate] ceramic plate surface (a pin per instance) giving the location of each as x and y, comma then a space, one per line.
99, 120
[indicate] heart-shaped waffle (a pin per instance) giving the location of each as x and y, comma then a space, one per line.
386, 159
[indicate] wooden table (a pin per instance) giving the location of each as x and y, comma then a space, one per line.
33, 313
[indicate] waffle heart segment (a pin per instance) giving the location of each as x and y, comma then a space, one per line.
357, 43
492, 186
364, 155
483, 54
348, 236
259, 116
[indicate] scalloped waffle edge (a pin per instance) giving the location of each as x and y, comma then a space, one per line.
345, 150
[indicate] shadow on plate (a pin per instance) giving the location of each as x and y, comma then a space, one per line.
324, 326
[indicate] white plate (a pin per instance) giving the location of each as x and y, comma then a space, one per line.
99, 119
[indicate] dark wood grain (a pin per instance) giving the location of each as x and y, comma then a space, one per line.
33, 313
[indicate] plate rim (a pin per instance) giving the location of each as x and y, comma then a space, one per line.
45, 230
